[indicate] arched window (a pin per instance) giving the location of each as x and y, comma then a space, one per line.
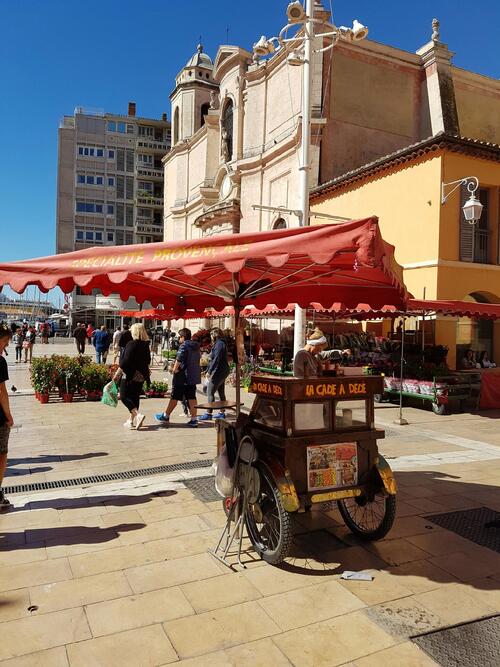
227, 131
204, 110
176, 125
280, 223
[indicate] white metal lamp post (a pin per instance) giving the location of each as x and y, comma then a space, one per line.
303, 19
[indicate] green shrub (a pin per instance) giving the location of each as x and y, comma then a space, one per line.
42, 374
94, 377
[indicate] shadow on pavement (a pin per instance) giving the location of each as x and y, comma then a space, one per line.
17, 472
54, 458
90, 501
69, 535
321, 551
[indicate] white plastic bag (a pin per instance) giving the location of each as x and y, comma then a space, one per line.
223, 474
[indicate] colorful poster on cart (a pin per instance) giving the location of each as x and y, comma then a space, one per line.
332, 466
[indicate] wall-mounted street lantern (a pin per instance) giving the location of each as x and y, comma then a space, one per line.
472, 208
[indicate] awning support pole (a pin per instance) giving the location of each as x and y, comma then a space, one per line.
401, 421
237, 360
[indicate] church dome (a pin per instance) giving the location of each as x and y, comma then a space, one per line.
200, 59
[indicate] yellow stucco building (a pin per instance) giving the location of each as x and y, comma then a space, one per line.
442, 255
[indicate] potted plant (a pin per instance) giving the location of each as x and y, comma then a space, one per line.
94, 377
42, 372
156, 389
70, 379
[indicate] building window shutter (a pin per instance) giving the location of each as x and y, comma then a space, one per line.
466, 230
129, 187
120, 159
120, 217
130, 161
120, 187
129, 216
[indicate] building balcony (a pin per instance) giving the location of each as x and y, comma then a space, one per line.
155, 202
156, 230
149, 172
146, 144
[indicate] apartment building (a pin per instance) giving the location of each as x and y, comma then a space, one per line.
109, 189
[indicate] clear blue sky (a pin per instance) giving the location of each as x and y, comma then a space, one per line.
58, 54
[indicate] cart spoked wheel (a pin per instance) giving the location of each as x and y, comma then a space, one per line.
268, 523
439, 408
369, 518
379, 398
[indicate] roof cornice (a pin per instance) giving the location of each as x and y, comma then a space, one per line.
441, 141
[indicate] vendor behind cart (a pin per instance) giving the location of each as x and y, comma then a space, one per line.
306, 363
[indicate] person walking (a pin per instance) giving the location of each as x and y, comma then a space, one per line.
45, 330
80, 336
116, 344
6, 420
186, 375
133, 373
125, 338
217, 372
90, 332
101, 344
18, 340
28, 343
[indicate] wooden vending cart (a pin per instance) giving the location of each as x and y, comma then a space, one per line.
308, 441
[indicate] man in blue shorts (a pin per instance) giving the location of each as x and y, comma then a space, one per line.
186, 375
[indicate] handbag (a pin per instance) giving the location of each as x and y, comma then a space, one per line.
26, 345
138, 377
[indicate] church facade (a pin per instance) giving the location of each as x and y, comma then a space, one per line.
236, 125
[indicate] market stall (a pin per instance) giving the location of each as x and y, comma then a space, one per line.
418, 370
349, 263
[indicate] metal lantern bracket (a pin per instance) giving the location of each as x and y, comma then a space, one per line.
472, 183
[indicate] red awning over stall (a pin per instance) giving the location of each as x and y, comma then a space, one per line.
348, 263
457, 308
163, 314
418, 307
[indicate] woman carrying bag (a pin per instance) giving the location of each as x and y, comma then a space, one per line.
133, 372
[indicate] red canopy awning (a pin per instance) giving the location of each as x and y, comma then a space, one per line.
417, 308
348, 263
163, 314
414, 307
457, 308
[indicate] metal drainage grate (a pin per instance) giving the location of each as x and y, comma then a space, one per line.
203, 488
468, 645
108, 477
471, 525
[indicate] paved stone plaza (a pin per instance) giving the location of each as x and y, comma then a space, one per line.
117, 573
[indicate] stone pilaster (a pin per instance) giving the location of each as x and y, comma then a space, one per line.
436, 59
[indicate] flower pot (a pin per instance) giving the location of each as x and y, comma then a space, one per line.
43, 398
94, 395
67, 398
